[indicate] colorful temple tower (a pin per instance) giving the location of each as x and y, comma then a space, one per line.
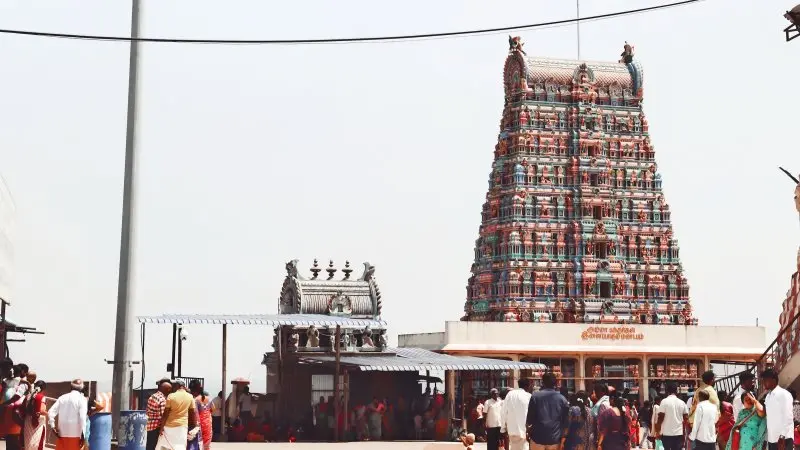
575, 227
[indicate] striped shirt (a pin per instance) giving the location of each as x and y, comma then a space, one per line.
155, 410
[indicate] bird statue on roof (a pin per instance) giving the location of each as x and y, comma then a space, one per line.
515, 44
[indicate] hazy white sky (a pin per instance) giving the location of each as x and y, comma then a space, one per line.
255, 155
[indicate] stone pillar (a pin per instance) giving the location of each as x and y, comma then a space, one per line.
450, 388
581, 373
514, 375
644, 382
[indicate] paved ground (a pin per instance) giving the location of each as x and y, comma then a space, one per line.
350, 445
342, 446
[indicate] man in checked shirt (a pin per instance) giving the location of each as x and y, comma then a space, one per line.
155, 410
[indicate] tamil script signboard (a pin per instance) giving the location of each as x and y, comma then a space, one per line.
612, 333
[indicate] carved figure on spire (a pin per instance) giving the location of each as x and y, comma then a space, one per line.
515, 44
627, 54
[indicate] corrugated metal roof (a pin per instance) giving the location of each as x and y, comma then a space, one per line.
416, 359
272, 320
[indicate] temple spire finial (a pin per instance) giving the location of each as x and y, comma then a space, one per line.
315, 270
331, 270
347, 270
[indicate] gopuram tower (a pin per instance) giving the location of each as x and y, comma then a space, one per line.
575, 227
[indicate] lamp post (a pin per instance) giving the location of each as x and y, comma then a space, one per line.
120, 398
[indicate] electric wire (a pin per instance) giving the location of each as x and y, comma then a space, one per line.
372, 39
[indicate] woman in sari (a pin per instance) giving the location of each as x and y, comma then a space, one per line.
726, 420
204, 407
35, 418
751, 425
612, 426
579, 431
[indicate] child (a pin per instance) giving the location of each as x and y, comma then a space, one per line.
468, 440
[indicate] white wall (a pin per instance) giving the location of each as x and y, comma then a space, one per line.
575, 338
428, 341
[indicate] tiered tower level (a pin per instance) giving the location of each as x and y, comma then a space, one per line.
575, 227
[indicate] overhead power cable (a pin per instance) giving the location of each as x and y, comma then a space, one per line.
407, 37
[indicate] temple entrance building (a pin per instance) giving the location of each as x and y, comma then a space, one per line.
576, 264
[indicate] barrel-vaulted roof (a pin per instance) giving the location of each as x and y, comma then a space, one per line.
565, 72
331, 295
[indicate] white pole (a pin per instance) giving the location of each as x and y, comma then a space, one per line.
120, 399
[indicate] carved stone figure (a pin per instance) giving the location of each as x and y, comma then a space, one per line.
313, 337
515, 44
382, 341
340, 304
294, 342
366, 338
345, 339
627, 54
608, 307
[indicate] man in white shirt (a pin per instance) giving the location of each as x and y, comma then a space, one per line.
780, 417
704, 428
672, 412
493, 409
747, 382
515, 416
71, 410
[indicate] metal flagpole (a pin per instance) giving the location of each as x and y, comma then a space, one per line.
120, 399
578, 26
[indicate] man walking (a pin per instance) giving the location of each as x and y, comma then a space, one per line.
178, 418
155, 412
71, 410
646, 424
747, 382
704, 429
515, 416
493, 409
707, 385
216, 415
780, 417
672, 412
548, 416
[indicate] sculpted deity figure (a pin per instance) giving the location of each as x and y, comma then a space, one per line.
313, 337
294, 342
608, 307
523, 117
367, 338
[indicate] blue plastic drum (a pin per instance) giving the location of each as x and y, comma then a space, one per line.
132, 433
100, 431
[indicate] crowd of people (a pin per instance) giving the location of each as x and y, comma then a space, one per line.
424, 417
179, 417
604, 419
23, 413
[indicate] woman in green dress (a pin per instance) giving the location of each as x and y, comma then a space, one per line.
751, 424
